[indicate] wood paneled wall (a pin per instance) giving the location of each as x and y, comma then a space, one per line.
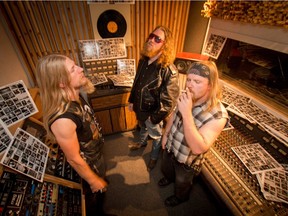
44, 27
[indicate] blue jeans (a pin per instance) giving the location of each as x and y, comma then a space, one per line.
147, 128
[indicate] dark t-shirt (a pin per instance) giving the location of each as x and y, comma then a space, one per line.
88, 131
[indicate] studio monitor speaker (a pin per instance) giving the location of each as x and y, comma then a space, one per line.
184, 60
183, 64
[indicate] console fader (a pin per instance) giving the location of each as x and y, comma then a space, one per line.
20, 195
230, 179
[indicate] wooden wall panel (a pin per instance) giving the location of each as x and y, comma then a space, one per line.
118, 119
104, 119
131, 120
44, 27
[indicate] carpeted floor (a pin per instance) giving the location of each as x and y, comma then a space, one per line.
133, 191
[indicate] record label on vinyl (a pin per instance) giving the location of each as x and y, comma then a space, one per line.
111, 24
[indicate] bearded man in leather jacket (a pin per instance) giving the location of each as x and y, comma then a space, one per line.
155, 89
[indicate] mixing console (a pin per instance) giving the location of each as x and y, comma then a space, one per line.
226, 174
22, 196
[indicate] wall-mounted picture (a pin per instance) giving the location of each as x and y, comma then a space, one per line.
16, 103
126, 66
109, 48
214, 45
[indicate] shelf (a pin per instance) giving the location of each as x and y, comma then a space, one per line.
61, 181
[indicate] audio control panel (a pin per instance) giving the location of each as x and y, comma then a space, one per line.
233, 182
20, 195
247, 164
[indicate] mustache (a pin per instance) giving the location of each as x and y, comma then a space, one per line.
148, 43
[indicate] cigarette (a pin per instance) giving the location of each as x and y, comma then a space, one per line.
103, 190
183, 91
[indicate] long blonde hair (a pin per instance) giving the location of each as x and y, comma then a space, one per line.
51, 71
215, 94
168, 50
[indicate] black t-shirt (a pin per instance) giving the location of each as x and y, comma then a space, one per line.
88, 131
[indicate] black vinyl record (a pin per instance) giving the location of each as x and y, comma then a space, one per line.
111, 24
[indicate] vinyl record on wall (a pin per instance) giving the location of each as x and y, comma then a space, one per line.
111, 23
115, 26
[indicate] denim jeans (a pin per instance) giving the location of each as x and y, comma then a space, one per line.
147, 128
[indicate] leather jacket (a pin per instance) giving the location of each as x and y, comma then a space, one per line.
158, 96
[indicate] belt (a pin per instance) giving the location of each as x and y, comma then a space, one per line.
196, 168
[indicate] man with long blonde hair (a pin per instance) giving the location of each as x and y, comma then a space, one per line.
155, 89
194, 126
69, 121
